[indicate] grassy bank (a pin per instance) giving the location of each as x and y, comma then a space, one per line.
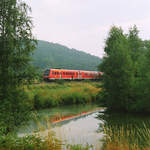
46, 95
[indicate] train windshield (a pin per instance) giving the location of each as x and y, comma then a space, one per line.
46, 72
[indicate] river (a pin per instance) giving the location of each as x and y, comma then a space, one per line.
88, 124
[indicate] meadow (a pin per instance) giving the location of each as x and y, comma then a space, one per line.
46, 95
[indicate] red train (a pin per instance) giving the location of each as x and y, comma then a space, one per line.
64, 74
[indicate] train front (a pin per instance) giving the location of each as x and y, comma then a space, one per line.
46, 75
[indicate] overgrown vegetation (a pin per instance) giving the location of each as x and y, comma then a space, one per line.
126, 67
49, 142
125, 132
80, 147
46, 95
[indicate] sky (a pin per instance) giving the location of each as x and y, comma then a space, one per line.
84, 24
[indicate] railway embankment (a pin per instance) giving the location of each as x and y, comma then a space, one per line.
47, 95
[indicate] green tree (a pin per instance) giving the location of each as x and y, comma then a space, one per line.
126, 67
138, 55
16, 45
118, 74
142, 84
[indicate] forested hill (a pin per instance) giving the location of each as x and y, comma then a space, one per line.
51, 55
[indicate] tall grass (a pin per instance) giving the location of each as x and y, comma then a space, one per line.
47, 95
120, 138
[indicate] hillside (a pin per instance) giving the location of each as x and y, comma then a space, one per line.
51, 55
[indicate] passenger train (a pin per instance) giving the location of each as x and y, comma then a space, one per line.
64, 74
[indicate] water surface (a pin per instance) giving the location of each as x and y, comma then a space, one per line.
95, 128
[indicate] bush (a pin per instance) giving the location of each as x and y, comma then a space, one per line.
30, 143
14, 111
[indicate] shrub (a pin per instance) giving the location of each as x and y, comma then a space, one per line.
14, 111
30, 143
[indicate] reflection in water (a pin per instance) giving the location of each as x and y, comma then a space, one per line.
113, 131
81, 131
125, 132
43, 117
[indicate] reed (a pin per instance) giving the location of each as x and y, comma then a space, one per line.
121, 138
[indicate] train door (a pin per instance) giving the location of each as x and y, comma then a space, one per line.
60, 75
79, 75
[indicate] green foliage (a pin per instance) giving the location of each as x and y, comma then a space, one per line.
14, 110
50, 55
16, 44
117, 68
126, 72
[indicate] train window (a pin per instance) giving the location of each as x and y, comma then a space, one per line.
46, 73
55, 73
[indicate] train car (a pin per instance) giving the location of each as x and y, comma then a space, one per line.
64, 74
